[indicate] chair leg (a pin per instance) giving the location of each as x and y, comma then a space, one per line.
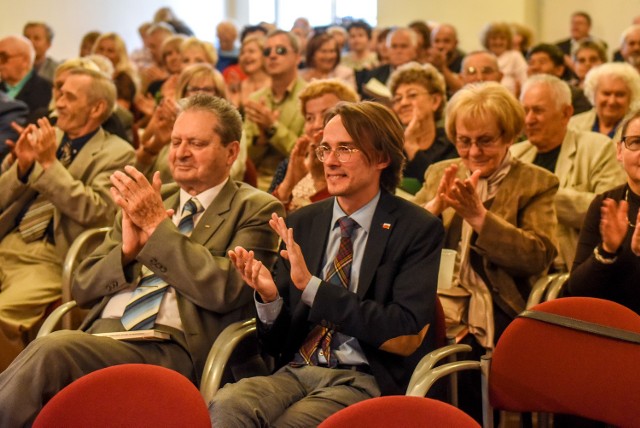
487, 410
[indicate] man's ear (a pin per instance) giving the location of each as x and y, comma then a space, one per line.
233, 150
97, 110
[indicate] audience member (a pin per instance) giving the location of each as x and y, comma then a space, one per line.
614, 91
498, 214
497, 39
196, 51
56, 188
304, 181
418, 99
607, 265
379, 44
227, 34
10, 111
273, 120
548, 59
18, 78
360, 56
344, 324
423, 32
124, 76
41, 35
172, 62
580, 31
252, 66
323, 61
167, 15
521, 38
445, 55
584, 161
87, 42
630, 46
142, 58
480, 66
339, 34
198, 292
588, 55
155, 37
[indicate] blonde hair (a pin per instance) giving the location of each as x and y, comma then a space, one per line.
425, 75
196, 71
208, 49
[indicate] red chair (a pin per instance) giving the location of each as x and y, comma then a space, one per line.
127, 395
399, 411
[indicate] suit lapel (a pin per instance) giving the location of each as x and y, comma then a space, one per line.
213, 217
381, 227
79, 165
565, 158
316, 246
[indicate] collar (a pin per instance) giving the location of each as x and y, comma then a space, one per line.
287, 93
76, 144
205, 198
364, 216
13, 91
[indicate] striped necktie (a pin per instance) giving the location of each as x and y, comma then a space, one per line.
339, 274
36, 219
142, 310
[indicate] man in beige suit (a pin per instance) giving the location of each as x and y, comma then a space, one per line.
584, 162
199, 291
67, 167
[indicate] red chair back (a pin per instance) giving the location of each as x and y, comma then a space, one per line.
135, 395
542, 367
399, 411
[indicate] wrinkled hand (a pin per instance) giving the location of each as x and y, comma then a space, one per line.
140, 199
260, 114
462, 197
437, 58
438, 204
254, 273
45, 144
297, 157
22, 150
415, 130
299, 272
144, 103
613, 224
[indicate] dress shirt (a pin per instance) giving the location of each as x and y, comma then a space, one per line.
13, 91
168, 313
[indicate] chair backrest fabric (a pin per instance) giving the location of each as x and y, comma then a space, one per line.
127, 395
542, 367
399, 411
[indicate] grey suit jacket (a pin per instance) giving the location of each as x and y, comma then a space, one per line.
210, 293
80, 193
586, 166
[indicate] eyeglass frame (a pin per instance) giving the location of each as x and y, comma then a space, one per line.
623, 140
280, 50
323, 150
410, 96
6, 57
481, 145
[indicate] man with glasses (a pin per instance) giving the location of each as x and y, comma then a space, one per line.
273, 120
350, 310
585, 162
19, 79
480, 66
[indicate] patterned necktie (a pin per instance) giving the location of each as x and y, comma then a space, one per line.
142, 310
36, 219
339, 274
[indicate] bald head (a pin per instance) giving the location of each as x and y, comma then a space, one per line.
444, 38
16, 58
480, 66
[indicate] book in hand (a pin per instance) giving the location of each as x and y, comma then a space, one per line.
133, 335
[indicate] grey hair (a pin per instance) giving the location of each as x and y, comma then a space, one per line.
229, 123
560, 91
623, 71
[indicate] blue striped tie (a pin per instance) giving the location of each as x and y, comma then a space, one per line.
142, 310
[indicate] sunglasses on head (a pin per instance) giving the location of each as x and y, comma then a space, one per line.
280, 50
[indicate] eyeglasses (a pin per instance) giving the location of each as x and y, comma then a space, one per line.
484, 71
483, 143
5, 57
342, 153
409, 96
280, 50
631, 142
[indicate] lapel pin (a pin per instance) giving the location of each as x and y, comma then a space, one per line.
206, 226
386, 226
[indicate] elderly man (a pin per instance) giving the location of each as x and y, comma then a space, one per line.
548, 59
630, 46
57, 187
162, 272
273, 120
480, 66
19, 79
349, 311
580, 31
41, 35
402, 46
445, 55
585, 162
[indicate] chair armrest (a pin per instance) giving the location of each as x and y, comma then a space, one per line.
54, 318
220, 353
539, 289
429, 361
426, 381
556, 286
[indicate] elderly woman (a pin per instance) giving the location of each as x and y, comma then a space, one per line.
418, 98
172, 62
323, 61
614, 91
251, 63
497, 38
588, 55
607, 262
498, 214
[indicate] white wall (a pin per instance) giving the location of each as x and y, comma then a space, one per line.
550, 18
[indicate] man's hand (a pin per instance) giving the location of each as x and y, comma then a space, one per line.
613, 224
300, 274
22, 150
260, 114
133, 239
254, 273
140, 199
45, 145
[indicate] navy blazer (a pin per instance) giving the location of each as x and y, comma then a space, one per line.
394, 306
36, 94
